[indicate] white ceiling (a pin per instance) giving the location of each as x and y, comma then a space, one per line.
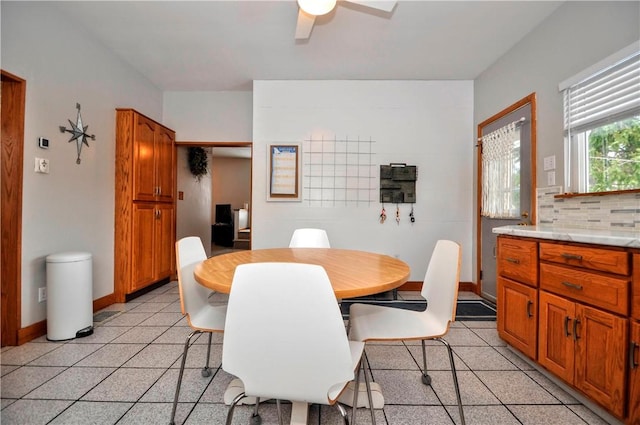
225, 45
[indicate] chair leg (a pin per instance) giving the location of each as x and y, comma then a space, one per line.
206, 371
356, 391
184, 360
279, 411
233, 407
426, 379
343, 412
455, 379
368, 384
255, 416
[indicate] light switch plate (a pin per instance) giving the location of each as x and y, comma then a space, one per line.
550, 163
42, 165
551, 178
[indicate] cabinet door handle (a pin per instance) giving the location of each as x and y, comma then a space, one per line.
567, 319
567, 256
632, 350
576, 322
529, 304
158, 213
572, 285
513, 260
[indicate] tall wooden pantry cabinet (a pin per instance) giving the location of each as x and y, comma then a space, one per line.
145, 210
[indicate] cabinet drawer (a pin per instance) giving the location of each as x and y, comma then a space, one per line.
590, 258
607, 292
518, 260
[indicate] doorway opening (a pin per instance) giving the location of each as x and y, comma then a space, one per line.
217, 208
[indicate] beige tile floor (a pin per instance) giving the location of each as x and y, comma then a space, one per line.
125, 373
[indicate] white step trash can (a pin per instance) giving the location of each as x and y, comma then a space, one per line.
69, 295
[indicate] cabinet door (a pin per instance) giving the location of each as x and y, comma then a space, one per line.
144, 185
634, 374
600, 350
164, 151
518, 315
165, 240
635, 289
144, 224
555, 341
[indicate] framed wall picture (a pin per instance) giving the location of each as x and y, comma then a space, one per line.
284, 167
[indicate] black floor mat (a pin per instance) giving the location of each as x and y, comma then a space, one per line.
467, 309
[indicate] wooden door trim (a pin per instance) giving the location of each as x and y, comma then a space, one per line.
11, 159
530, 99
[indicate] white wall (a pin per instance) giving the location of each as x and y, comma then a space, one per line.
209, 116
231, 182
193, 217
72, 207
423, 123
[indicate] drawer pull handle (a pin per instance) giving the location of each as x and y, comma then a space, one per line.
632, 350
567, 319
513, 260
572, 285
529, 304
576, 322
572, 257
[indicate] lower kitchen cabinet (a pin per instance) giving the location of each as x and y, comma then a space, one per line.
586, 347
517, 318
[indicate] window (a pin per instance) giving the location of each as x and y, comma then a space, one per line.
602, 125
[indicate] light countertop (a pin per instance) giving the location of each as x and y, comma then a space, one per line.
623, 238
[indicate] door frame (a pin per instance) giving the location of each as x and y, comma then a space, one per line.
11, 175
530, 99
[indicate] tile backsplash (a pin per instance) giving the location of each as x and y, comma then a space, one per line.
606, 212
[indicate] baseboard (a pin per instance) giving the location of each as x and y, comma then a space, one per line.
102, 302
32, 332
39, 329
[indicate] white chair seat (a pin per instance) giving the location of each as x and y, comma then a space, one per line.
209, 318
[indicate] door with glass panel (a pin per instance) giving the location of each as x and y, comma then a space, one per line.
506, 182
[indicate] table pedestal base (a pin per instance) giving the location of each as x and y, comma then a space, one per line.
299, 411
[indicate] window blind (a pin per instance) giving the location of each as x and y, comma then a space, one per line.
610, 94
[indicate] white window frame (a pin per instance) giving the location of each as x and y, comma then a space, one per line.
575, 147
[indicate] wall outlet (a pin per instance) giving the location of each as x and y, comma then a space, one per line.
42, 294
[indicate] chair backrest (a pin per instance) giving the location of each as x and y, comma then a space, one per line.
284, 334
440, 286
309, 238
193, 296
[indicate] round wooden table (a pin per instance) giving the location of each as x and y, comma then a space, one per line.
352, 273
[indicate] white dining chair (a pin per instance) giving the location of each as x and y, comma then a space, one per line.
285, 338
201, 316
440, 288
309, 238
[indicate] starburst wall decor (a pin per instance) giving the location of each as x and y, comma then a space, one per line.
78, 132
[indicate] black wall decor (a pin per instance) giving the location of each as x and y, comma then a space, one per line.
398, 183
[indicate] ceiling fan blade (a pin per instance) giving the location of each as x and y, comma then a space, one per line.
304, 25
384, 5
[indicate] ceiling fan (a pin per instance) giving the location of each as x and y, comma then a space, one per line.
309, 9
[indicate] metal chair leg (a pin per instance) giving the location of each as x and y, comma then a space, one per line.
356, 391
343, 412
368, 384
455, 379
426, 379
233, 407
255, 416
184, 360
206, 371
